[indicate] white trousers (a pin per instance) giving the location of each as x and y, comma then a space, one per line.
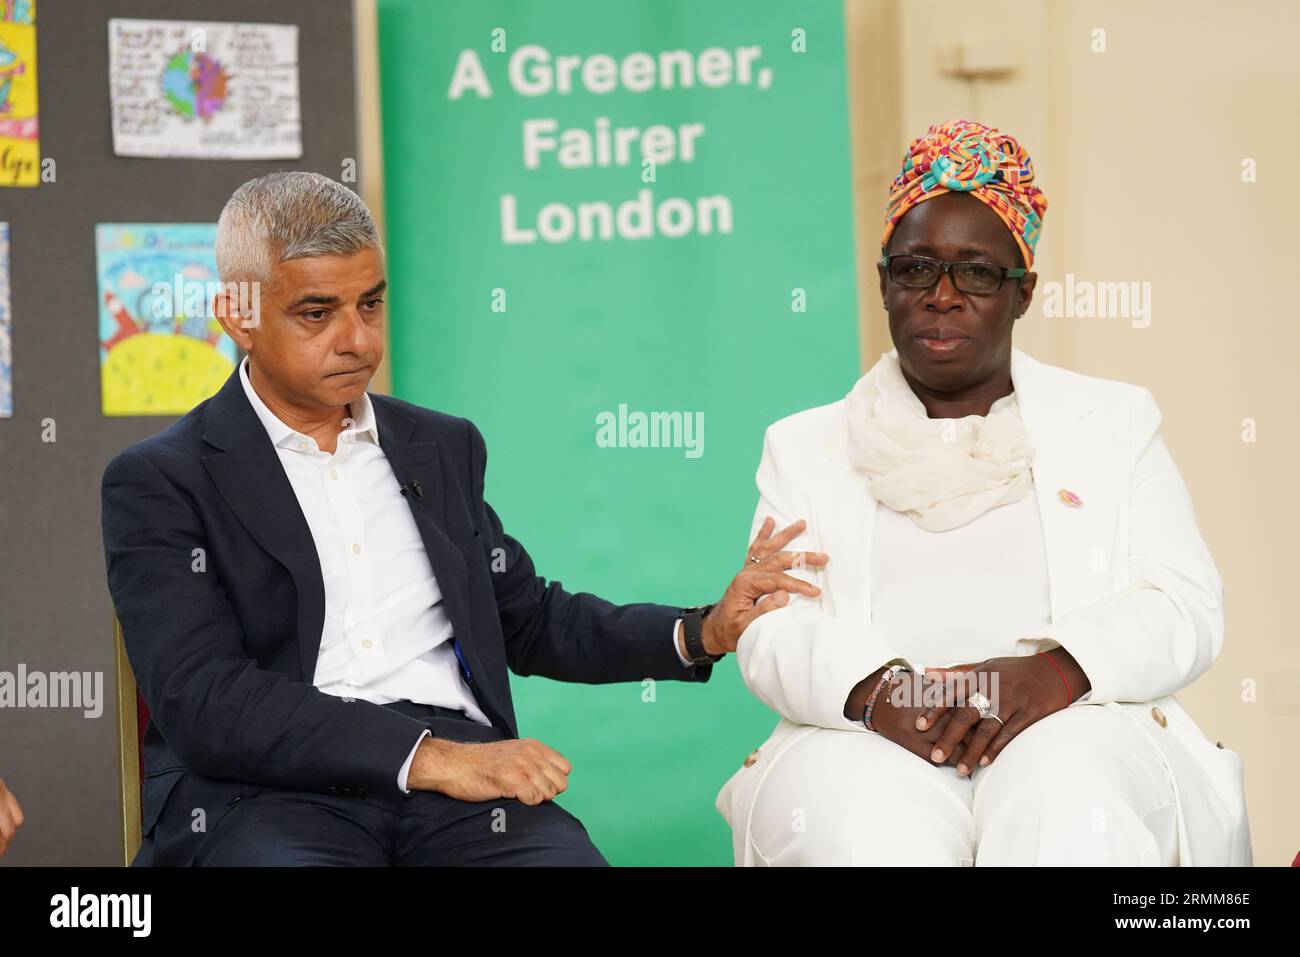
1083, 786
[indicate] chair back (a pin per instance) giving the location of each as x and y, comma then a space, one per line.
132, 719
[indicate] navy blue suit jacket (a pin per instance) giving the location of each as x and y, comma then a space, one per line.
225, 656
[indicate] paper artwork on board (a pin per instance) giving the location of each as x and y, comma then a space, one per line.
6, 349
204, 90
20, 149
161, 351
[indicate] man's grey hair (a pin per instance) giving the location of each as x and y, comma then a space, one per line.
290, 215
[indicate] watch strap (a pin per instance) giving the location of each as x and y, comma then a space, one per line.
693, 634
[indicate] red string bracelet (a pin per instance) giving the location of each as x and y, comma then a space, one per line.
1061, 673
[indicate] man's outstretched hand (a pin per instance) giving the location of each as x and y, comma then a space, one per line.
762, 575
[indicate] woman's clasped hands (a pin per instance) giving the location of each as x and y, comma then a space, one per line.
964, 715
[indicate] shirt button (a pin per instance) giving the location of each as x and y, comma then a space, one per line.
356, 549
367, 643
302, 445
333, 474
752, 758
1159, 717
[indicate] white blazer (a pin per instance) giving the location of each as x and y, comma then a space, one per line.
1135, 596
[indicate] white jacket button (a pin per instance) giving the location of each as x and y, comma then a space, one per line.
752, 758
1159, 717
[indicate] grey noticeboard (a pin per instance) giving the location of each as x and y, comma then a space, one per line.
55, 610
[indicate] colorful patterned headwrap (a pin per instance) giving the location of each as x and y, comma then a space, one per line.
965, 156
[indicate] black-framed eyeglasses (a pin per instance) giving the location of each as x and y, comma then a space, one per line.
922, 272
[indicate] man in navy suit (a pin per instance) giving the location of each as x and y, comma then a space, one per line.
319, 606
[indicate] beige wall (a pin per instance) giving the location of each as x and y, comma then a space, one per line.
1139, 150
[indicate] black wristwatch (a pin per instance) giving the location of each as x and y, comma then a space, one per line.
693, 632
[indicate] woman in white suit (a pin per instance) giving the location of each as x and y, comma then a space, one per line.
992, 517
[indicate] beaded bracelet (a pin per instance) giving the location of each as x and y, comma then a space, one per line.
885, 679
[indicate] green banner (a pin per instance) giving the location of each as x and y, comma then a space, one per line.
620, 241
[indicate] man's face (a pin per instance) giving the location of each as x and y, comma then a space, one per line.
321, 333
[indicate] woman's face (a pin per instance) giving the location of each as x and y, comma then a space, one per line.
954, 227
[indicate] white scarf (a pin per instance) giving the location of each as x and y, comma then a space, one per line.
942, 473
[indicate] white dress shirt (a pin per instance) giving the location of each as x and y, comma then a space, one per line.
962, 595
386, 635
